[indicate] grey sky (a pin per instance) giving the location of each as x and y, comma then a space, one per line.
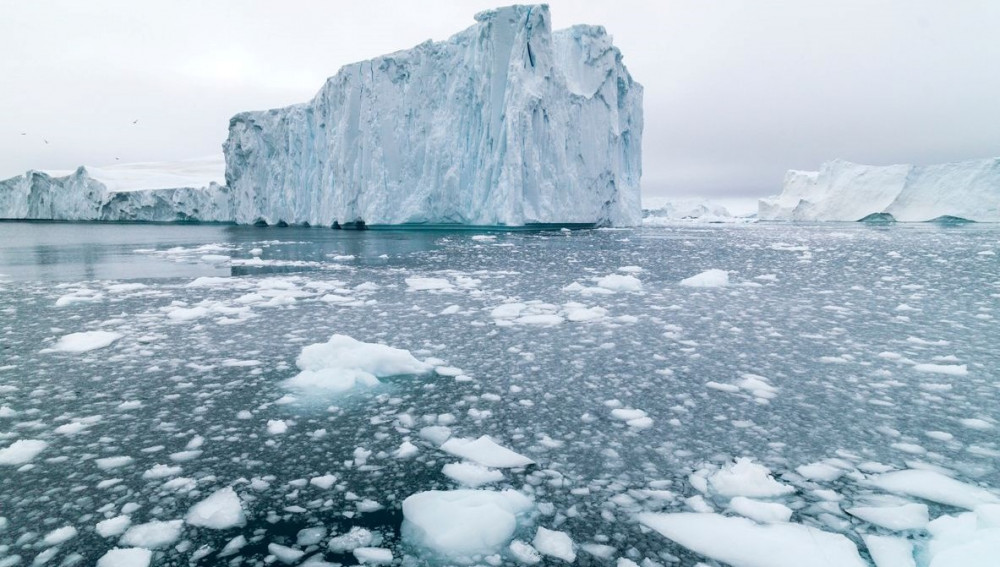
736, 91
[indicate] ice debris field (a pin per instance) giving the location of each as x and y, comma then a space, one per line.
756, 396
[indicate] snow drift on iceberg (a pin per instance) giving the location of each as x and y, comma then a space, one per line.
845, 191
505, 123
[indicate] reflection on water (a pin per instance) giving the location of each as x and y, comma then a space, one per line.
82, 251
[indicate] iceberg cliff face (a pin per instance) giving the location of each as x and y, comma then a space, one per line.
844, 191
159, 192
505, 123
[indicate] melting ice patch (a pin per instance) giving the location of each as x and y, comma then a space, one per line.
343, 363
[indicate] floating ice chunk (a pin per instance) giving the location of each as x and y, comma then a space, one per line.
758, 386
310, 536
128, 557
323, 482
763, 512
59, 535
373, 555
747, 478
820, 471
743, 543
342, 363
934, 486
357, 537
461, 523
523, 552
627, 414
581, 314
276, 427
109, 463
182, 314
406, 450
221, 510
428, 284
970, 539
976, 423
619, 282
436, 434
486, 452
887, 551
153, 535
554, 544
471, 474
286, 555
113, 526
161, 471
911, 516
708, 278
22, 451
950, 369
84, 342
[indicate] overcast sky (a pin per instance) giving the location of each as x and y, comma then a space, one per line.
736, 92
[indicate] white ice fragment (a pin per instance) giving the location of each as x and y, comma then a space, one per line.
59, 535
554, 544
934, 486
113, 526
127, 557
286, 555
22, 451
486, 452
461, 523
161, 471
373, 555
949, 369
84, 342
747, 478
428, 284
758, 511
109, 463
888, 551
471, 474
743, 543
357, 537
153, 535
524, 553
221, 510
342, 363
910, 516
276, 427
619, 282
708, 278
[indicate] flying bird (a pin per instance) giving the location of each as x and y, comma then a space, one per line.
46, 141
24, 133
136, 121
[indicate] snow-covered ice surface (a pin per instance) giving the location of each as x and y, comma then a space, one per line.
801, 406
505, 123
845, 191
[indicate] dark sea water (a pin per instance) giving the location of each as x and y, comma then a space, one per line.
880, 348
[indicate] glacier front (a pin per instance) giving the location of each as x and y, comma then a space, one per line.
153, 192
845, 191
505, 123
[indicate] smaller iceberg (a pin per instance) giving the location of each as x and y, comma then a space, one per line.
845, 191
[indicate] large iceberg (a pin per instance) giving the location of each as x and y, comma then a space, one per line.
158, 192
505, 123
845, 191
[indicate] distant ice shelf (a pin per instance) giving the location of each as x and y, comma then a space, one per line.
506, 123
188, 190
845, 191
